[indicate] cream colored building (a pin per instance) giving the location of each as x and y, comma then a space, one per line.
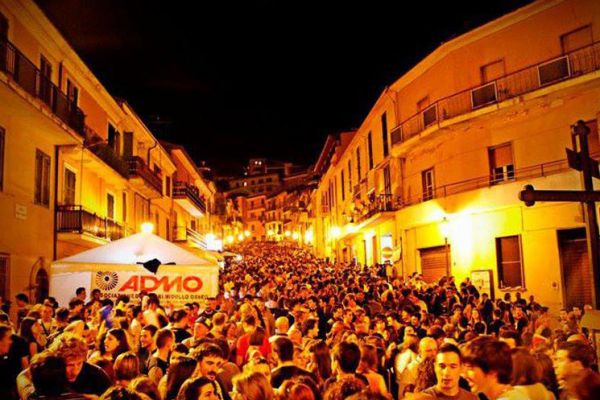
78, 167
469, 126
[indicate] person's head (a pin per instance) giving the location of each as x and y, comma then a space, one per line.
120, 393
48, 374
282, 324
571, 359
115, 342
73, 349
80, 293
22, 299
526, 369
346, 357
448, 368
488, 363
369, 359
201, 388
47, 311
209, 357
201, 327
252, 386
147, 336
96, 294
292, 389
427, 348
218, 321
127, 366
179, 318
310, 328
5, 338
321, 357
179, 371
164, 339
29, 329
143, 384
283, 349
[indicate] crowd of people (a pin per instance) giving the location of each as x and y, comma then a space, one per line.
289, 326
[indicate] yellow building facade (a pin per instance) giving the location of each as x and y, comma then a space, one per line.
469, 126
78, 167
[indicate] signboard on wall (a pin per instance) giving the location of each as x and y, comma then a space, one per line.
483, 280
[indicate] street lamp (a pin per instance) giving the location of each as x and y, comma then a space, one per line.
445, 230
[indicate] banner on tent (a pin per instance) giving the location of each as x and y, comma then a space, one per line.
171, 287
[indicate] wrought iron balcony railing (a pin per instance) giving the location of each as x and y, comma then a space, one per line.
29, 77
191, 192
526, 80
76, 219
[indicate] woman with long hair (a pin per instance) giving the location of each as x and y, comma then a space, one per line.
198, 389
31, 331
126, 368
369, 365
320, 361
252, 386
179, 371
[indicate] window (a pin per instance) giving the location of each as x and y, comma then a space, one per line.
423, 103
125, 207
4, 276
42, 179
114, 138
72, 93
2, 145
45, 83
69, 184
350, 175
342, 186
110, 206
358, 163
509, 261
168, 186
492, 71
157, 223
501, 164
576, 39
370, 147
428, 183
384, 135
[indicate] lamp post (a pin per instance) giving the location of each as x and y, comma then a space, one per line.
445, 230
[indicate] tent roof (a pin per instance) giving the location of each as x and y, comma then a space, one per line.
140, 247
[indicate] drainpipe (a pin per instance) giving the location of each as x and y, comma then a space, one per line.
149, 150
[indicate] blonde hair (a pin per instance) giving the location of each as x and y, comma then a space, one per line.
69, 345
254, 386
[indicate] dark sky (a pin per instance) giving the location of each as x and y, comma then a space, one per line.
231, 80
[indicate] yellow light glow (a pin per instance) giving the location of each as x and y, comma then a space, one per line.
350, 228
445, 228
147, 227
229, 239
308, 236
247, 233
287, 233
295, 236
210, 237
270, 232
240, 237
335, 232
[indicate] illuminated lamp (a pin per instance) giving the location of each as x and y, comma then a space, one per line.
147, 227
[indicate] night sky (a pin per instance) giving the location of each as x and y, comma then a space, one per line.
233, 80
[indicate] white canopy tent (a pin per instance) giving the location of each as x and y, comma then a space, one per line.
116, 269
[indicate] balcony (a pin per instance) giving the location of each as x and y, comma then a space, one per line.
494, 179
379, 204
22, 71
146, 181
75, 219
526, 80
192, 237
188, 197
102, 150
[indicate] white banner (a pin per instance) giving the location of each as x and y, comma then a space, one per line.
170, 287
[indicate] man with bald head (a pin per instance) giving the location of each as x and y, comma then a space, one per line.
427, 352
282, 326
